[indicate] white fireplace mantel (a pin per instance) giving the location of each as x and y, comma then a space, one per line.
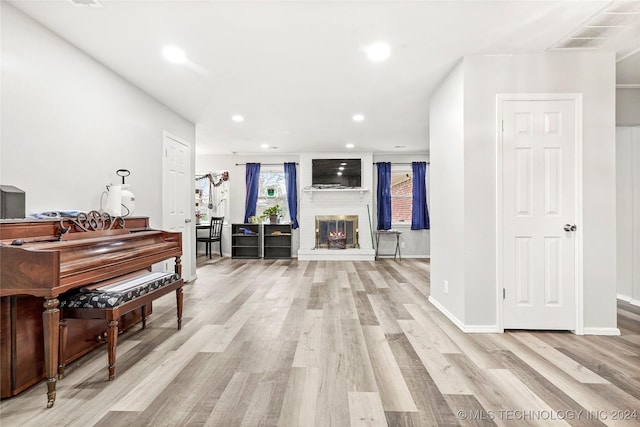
335, 201
311, 191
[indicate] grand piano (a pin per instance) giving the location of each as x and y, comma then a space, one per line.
42, 259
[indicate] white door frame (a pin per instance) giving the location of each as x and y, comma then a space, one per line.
187, 247
577, 102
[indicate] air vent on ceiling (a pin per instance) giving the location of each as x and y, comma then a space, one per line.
608, 23
580, 44
594, 32
615, 20
625, 7
86, 3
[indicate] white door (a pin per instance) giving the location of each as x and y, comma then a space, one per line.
538, 179
176, 200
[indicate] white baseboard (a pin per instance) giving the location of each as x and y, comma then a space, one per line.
600, 331
447, 313
336, 254
624, 298
630, 300
407, 256
468, 329
492, 329
482, 329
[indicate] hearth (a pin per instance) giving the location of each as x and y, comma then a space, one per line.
337, 232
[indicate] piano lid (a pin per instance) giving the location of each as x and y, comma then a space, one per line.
88, 250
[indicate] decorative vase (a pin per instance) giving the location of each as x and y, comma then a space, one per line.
273, 219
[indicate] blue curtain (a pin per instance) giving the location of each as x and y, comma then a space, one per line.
420, 211
384, 195
292, 192
253, 180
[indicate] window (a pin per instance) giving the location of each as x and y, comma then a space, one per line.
210, 199
401, 195
202, 200
272, 190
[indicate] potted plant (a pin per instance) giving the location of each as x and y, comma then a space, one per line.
272, 212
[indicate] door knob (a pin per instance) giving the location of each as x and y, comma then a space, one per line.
188, 220
570, 227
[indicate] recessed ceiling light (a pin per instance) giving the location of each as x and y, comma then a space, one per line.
341, 168
343, 164
378, 52
339, 173
358, 117
264, 145
174, 54
237, 118
349, 145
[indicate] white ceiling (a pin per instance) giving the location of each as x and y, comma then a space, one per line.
296, 69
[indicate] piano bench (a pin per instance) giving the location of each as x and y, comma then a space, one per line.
112, 301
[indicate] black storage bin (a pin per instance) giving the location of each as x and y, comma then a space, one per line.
12, 202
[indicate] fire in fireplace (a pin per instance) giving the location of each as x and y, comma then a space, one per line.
336, 231
337, 240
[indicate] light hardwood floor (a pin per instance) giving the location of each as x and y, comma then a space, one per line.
289, 343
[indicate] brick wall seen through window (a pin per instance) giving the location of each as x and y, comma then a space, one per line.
401, 196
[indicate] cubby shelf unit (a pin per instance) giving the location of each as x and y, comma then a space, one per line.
245, 244
277, 241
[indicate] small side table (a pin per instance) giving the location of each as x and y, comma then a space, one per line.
388, 233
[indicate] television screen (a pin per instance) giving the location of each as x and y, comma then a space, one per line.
336, 173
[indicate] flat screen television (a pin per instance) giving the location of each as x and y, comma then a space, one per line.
336, 173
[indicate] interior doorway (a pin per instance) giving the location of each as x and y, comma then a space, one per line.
539, 205
176, 201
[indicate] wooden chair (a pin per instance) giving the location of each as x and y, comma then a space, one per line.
215, 235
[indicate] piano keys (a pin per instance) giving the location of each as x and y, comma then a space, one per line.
41, 259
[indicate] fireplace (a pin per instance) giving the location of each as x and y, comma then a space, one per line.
337, 232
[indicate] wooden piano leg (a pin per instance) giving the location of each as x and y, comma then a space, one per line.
112, 342
62, 348
50, 323
143, 314
179, 298
178, 266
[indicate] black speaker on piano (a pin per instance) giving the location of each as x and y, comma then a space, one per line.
12, 202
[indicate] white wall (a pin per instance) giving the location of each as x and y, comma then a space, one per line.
446, 124
628, 193
593, 75
628, 107
628, 213
68, 123
636, 218
415, 242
